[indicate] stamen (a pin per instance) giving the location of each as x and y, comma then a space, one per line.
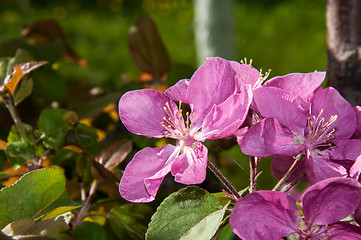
319, 130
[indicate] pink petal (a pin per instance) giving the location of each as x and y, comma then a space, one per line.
357, 133
346, 152
223, 120
355, 171
298, 84
290, 110
331, 200
244, 74
211, 84
178, 92
190, 167
344, 231
141, 112
330, 100
268, 139
144, 174
319, 168
264, 215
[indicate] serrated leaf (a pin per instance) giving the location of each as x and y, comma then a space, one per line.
207, 227
34, 195
27, 227
52, 125
190, 212
130, 221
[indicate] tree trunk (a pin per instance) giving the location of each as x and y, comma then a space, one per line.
344, 48
214, 29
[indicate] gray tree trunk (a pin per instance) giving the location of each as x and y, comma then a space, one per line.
214, 29
344, 48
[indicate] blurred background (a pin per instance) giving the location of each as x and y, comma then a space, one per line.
88, 46
286, 36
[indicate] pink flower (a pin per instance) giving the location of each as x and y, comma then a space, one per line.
218, 108
291, 125
274, 215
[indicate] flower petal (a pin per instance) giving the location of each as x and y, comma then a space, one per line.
178, 91
355, 170
298, 84
331, 200
344, 231
190, 167
149, 163
318, 168
268, 139
211, 84
357, 133
142, 111
264, 215
224, 119
346, 152
290, 110
330, 100
244, 74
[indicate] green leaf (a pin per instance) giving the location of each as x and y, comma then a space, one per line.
52, 125
24, 90
130, 221
34, 195
27, 227
83, 166
227, 234
190, 213
85, 135
89, 231
18, 153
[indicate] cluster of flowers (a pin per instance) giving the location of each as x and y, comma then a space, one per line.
283, 117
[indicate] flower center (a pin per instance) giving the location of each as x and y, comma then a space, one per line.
176, 127
306, 232
320, 131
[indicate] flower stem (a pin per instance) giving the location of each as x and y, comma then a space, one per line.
253, 173
298, 159
87, 204
223, 179
9, 102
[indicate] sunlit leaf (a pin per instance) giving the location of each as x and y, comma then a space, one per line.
13, 78
130, 221
147, 48
190, 213
54, 228
34, 195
